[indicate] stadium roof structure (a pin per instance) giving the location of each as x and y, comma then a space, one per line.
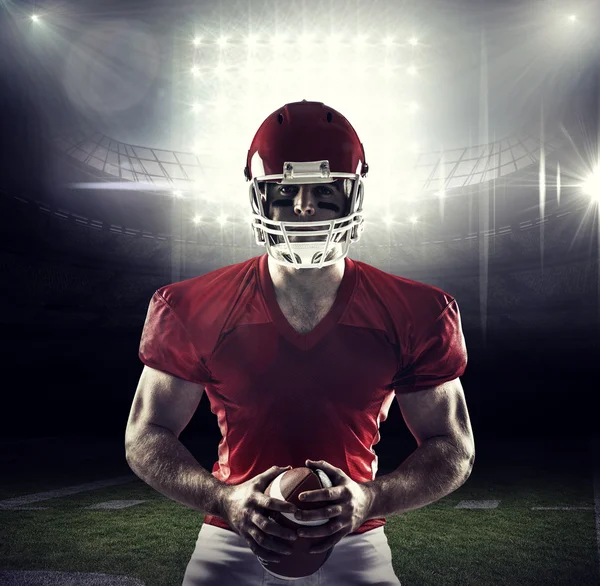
448, 170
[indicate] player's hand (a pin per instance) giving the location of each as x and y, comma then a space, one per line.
246, 508
346, 504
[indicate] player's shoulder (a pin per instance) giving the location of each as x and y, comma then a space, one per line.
214, 287
408, 295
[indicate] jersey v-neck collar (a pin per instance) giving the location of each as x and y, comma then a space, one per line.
306, 341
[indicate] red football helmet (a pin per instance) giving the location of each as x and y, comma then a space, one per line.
306, 142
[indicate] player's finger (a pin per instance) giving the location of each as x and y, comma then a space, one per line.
275, 504
319, 514
334, 474
268, 543
271, 527
323, 494
320, 530
264, 479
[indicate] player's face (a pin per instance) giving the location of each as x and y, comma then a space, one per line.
312, 202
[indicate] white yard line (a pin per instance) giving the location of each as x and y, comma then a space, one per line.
20, 501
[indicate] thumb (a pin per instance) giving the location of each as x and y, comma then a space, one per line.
270, 474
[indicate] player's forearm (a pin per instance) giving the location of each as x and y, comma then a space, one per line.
162, 461
436, 468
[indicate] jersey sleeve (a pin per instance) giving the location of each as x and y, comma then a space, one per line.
440, 354
166, 344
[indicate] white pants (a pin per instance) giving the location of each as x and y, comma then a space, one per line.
223, 558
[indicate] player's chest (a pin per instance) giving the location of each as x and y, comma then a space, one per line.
304, 316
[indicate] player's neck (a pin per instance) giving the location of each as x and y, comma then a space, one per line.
292, 282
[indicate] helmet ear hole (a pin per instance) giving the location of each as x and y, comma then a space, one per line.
329, 116
280, 118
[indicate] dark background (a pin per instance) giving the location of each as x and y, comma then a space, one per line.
74, 297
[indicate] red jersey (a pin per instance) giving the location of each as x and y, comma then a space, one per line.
281, 397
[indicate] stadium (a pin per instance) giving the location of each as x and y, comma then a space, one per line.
125, 127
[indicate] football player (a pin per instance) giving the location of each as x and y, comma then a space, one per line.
301, 352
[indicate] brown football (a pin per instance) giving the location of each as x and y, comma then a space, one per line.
287, 487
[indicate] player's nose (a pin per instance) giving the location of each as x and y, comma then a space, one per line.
304, 202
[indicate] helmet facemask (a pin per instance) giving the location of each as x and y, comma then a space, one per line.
310, 244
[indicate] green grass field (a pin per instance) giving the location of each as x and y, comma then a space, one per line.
438, 545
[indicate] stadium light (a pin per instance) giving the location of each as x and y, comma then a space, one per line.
591, 186
196, 41
35, 18
252, 40
196, 107
412, 70
388, 221
572, 18
178, 194
222, 219
197, 219
413, 220
361, 40
413, 41
195, 71
388, 41
222, 41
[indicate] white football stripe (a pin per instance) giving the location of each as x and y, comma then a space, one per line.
275, 492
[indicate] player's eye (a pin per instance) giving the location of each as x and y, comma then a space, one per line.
325, 191
288, 190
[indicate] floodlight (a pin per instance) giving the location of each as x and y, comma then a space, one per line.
413, 41
412, 70
177, 193
197, 219
278, 40
388, 41
222, 41
388, 221
361, 40
196, 107
196, 41
222, 219
573, 18
413, 219
251, 40
220, 69
35, 18
591, 186
195, 70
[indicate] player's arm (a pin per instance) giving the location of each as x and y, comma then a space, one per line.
162, 407
439, 421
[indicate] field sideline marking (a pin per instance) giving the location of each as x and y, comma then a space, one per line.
68, 490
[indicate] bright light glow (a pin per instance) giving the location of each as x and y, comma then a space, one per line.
35, 18
414, 148
591, 186
306, 39
220, 69
278, 40
413, 219
334, 40
196, 107
195, 71
252, 40
222, 219
222, 41
361, 40
197, 219
388, 221
573, 18
413, 107
388, 41
177, 193
387, 71
412, 70
196, 41
441, 194
413, 41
